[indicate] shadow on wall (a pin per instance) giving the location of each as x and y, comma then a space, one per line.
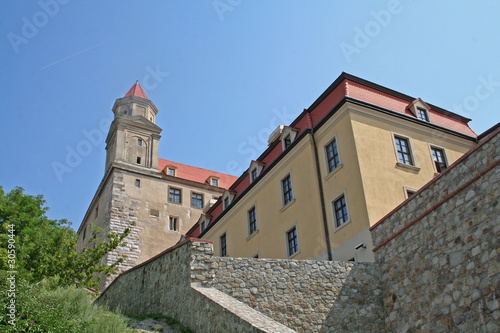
359, 304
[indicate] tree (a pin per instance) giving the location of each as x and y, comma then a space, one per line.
47, 247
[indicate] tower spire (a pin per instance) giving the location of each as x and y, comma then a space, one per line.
136, 90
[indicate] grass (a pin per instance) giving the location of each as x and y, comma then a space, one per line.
62, 309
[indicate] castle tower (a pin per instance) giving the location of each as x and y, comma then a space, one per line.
133, 137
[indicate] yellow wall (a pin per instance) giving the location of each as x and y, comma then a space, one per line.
272, 219
368, 176
383, 180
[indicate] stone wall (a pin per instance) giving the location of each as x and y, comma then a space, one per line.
306, 295
439, 251
213, 294
163, 284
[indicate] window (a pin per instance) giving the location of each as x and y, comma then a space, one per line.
340, 208
252, 221
293, 245
215, 182
154, 212
422, 114
439, 159
174, 195
256, 256
197, 200
202, 226
223, 245
137, 183
254, 174
287, 189
226, 203
287, 141
96, 211
171, 172
403, 150
84, 233
138, 160
139, 142
332, 155
173, 223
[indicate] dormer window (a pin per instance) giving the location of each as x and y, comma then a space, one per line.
287, 136
420, 110
254, 175
255, 170
422, 114
287, 141
214, 181
171, 172
226, 203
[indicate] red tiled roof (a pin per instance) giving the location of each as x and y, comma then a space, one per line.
197, 174
136, 90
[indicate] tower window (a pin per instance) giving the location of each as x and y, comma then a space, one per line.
137, 183
138, 160
139, 142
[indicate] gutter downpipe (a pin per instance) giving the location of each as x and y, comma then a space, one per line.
321, 192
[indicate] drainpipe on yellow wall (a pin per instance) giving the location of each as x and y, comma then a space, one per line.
321, 193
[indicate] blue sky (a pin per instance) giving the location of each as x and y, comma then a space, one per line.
222, 74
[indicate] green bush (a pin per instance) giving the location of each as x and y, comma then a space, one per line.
63, 309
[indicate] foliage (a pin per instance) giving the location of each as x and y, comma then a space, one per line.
47, 247
63, 309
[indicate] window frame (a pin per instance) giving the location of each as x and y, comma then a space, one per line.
433, 148
139, 142
251, 222
173, 170
422, 111
395, 137
223, 249
333, 208
285, 203
138, 183
327, 160
170, 188
138, 160
293, 227
254, 175
176, 223
201, 200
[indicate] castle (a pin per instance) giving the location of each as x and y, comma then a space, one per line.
357, 152
387, 206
